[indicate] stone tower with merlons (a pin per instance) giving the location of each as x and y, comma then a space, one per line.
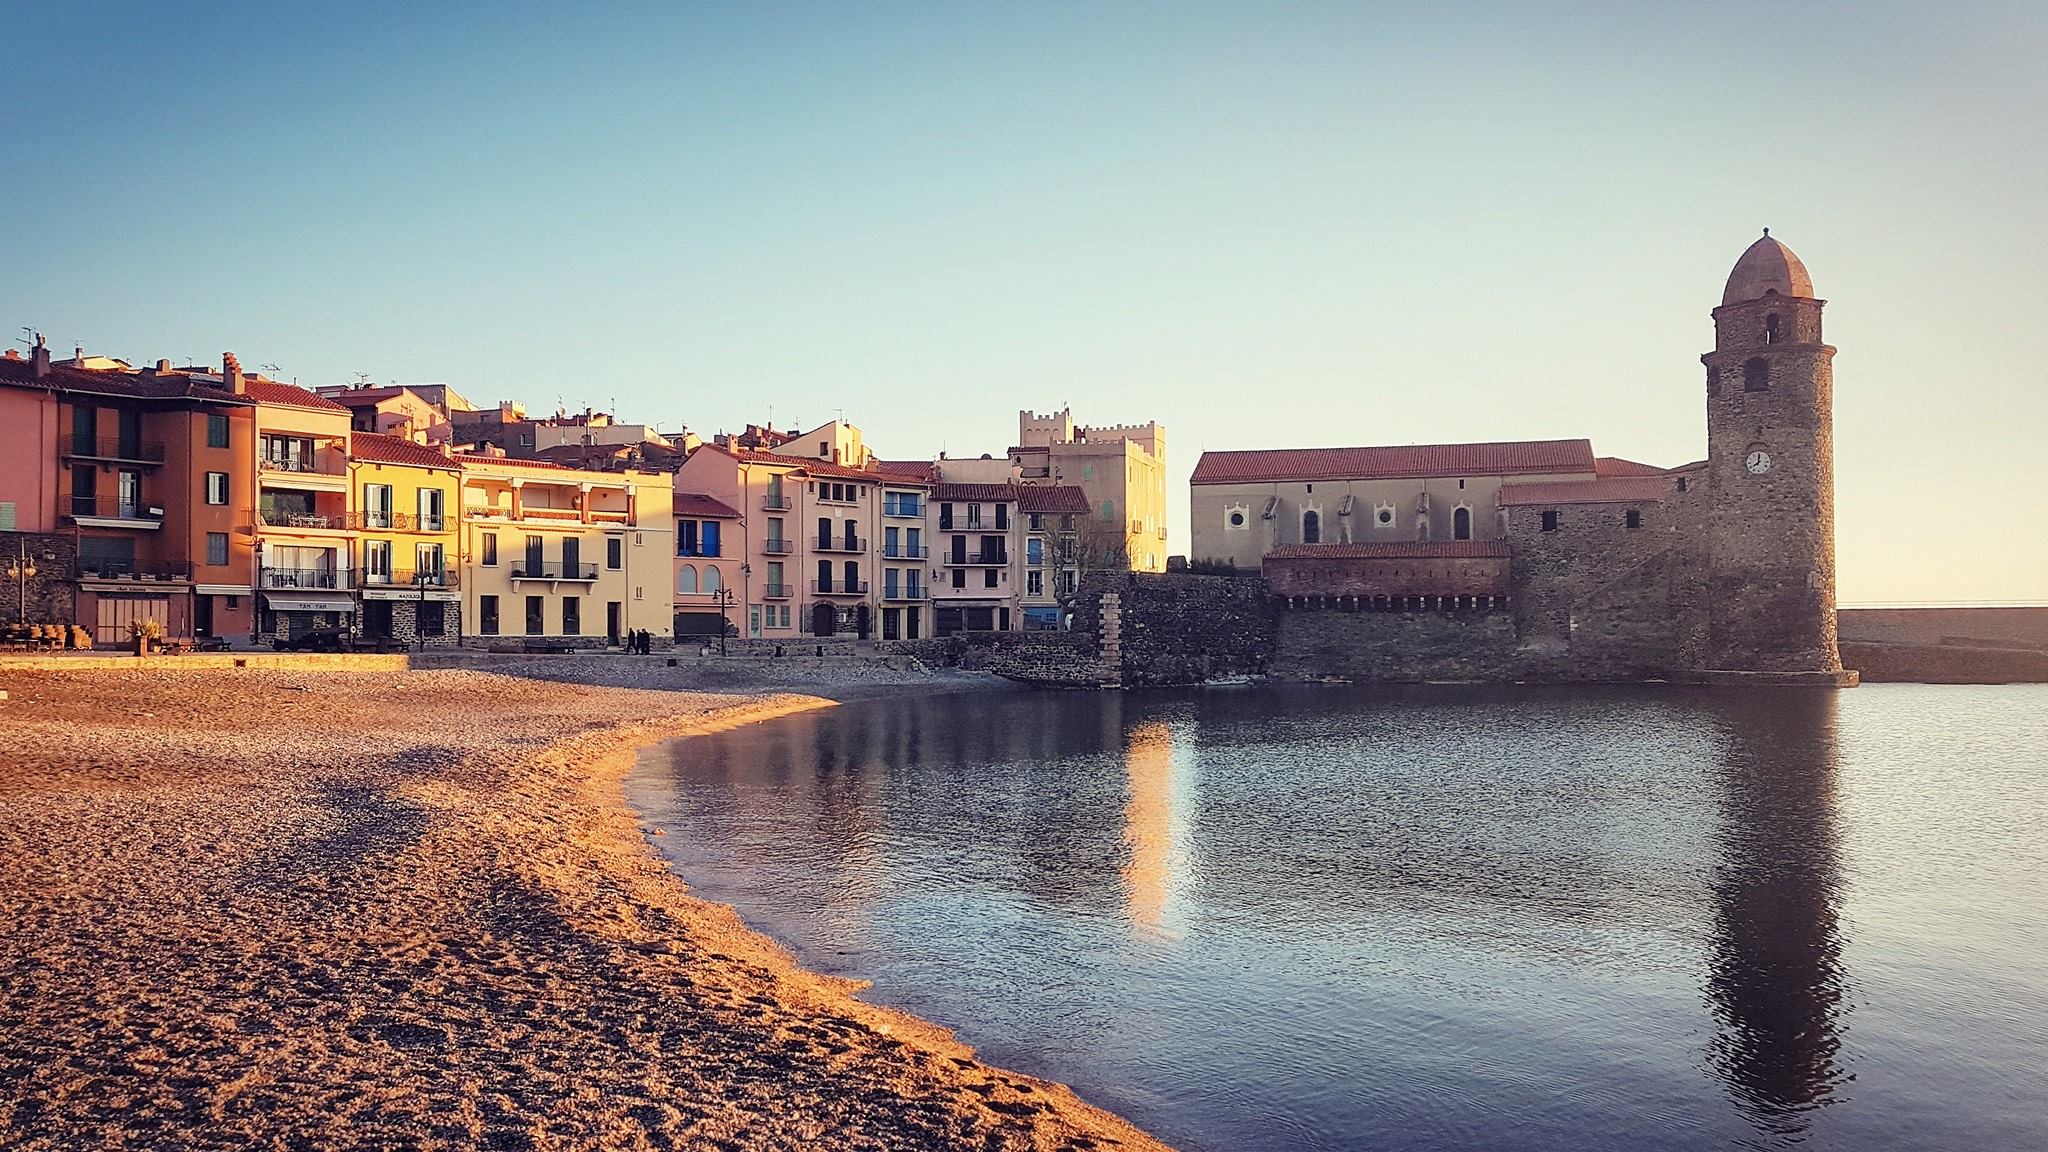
1771, 473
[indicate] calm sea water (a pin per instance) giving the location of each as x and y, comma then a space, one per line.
1322, 917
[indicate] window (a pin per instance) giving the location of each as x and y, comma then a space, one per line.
708, 545
1035, 521
572, 615
1385, 516
1034, 552
433, 505
1002, 516
216, 431
377, 561
1461, 524
988, 577
945, 515
614, 552
686, 537
430, 561
1236, 518
775, 586
572, 557
959, 577
376, 505
433, 618
536, 622
487, 607
1756, 375
713, 583
1550, 521
1108, 510
974, 515
1311, 527
686, 580
216, 547
490, 559
1681, 483
1633, 520
1034, 583
216, 487
1771, 328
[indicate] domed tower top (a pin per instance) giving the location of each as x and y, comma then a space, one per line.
1766, 267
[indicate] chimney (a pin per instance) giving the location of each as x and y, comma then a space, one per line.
231, 374
40, 357
78, 355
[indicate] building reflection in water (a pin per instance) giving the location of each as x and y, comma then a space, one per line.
1154, 839
1775, 978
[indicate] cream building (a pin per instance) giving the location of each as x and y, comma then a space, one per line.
564, 558
1120, 468
304, 524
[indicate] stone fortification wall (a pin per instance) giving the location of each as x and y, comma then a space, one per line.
1597, 600
1397, 646
49, 592
1178, 628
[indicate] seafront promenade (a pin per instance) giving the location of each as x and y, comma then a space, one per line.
409, 908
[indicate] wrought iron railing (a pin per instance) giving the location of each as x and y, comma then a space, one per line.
905, 551
840, 587
841, 544
135, 451
778, 547
906, 592
103, 569
776, 503
324, 579
777, 591
405, 578
524, 570
115, 508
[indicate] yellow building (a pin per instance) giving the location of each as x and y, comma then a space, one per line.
562, 558
304, 534
1121, 468
408, 546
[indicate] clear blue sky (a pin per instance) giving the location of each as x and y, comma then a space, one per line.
1261, 224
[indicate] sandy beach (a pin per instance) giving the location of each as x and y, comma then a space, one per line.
284, 909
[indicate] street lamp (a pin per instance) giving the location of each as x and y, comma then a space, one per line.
21, 571
725, 601
420, 579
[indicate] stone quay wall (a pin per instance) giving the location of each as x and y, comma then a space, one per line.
1177, 628
1315, 644
50, 591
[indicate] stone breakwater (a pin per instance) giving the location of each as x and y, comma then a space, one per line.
267, 908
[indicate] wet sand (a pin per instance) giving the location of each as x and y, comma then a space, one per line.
263, 909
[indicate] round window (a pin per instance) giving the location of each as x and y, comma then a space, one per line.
1237, 519
1386, 516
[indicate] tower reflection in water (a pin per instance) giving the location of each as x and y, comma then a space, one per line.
1775, 979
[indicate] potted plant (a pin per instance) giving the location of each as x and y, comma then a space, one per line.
147, 633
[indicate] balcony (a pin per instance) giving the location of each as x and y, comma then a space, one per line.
841, 544
776, 502
907, 592
398, 522
699, 551
115, 512
91, 569
309, 521
840, 587
116, 451
527, 570
318, 464
979, 559
436, 581
905, 552
777, 591
322, 579
908, 510
778, 547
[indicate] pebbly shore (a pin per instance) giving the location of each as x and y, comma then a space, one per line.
278, 909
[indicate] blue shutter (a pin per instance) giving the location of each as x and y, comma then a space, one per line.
711, 538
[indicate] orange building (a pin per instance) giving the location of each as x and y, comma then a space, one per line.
149, 480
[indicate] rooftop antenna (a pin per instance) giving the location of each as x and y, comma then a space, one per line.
362, 379
28, 336
273, 369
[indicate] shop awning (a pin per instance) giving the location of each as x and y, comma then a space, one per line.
310, 602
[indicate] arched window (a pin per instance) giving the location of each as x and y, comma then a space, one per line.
1461, 524
1771, 328
1311, 528
686, 580
712, 582
1756, 375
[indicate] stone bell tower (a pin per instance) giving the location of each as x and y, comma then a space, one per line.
1771, 473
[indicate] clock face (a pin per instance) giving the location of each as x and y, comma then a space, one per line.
1758, 462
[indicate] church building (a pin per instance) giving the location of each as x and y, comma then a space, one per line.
1541, 559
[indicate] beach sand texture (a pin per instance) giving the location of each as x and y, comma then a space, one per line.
271, 909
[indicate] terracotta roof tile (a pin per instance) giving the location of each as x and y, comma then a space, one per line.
288, 395
1394, 461
698, 504
381, 449
975, 493
108, 383
1051, 498
1607, 466
1619, 490
1392, 550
